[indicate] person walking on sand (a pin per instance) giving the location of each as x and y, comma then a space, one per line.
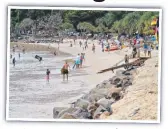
83, 46
134, 51
145, 48
80, 43
126, 59
65, 71
149, 50
86, 44
93, 48
48, 75
108, 47
102, 44
14, 61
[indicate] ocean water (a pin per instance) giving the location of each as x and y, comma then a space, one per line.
30, 96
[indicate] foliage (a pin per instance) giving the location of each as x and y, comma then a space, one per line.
54, 21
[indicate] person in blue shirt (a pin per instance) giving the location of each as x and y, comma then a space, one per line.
145, 48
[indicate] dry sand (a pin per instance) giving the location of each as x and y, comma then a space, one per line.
141, 99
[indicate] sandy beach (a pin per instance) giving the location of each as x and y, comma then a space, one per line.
40, 98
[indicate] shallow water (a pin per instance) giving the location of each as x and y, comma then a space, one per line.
30, 96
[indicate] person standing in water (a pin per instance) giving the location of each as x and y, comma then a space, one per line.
19, 55
23, 50
48, 75
14, 61
65, 71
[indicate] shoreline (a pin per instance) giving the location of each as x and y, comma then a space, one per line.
38, 47
93, 63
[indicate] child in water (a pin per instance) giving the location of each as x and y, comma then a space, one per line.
48, 75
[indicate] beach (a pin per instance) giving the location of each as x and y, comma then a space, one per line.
32, 97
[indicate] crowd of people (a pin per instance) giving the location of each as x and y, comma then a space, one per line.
136, 45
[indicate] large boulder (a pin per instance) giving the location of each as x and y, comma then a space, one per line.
69, 110
82, 114
99, 111
92, 108
67, 116
81, 103
96, 96
114, 93
104, 84
106, 103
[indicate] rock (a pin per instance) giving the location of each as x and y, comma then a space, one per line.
103, 91
116, 96
81, 103
92, 108
106, 103
116, 80
96, 96
55, 112
99, 111
127, 73
69, 110
82, 114
114, 93
105, 85
67, 116
119, 84
126, 83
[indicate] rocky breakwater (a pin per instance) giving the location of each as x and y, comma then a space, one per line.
98, 103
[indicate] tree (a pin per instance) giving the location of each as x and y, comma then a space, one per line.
86, 27
26, 24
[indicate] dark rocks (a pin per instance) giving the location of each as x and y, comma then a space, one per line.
82, 114
55, 113
69, 110
99, 110
114, 93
